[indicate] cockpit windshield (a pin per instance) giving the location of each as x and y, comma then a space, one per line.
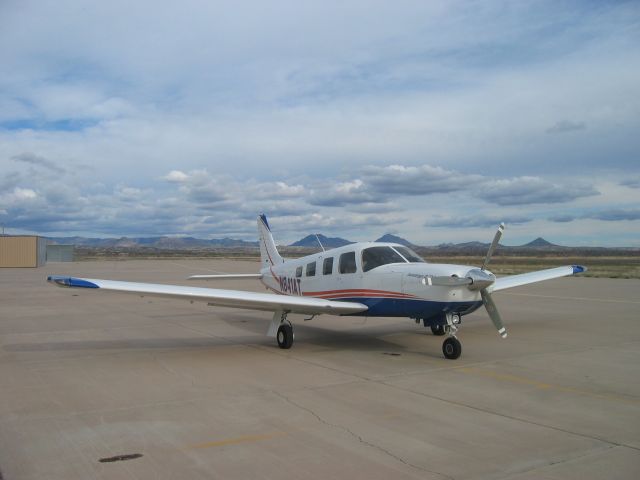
373, 257
410, 255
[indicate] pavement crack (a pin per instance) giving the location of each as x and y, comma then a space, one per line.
358, 437
511, 417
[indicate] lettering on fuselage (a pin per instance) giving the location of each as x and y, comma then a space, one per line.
290, 285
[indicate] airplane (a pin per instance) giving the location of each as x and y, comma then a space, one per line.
371, 279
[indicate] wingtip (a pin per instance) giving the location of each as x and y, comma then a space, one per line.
578, 269
70, 282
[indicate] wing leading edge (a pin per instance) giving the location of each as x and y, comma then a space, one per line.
224, 298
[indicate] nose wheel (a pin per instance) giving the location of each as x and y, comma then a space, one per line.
451, 348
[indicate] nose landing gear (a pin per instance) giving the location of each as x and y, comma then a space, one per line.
451, 347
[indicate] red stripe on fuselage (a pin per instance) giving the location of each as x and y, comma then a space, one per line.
358, 292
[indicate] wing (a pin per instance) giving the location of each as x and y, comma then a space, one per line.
226, 276
532, 277
225, 298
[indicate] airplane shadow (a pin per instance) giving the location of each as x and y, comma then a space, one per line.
313, 337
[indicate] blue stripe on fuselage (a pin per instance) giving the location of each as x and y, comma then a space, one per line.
401, 307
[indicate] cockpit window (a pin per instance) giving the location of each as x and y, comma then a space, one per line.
409, 254
373, 257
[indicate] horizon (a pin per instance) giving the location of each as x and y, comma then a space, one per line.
289, 244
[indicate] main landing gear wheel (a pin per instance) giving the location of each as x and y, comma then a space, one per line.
285, 335
437, 330
452, 348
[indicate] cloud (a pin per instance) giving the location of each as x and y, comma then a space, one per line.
33, 159
564, 126
615, 215
609, 215
631, 182
176, 176
342, 193
410, 180
531, 190
474, 221
564, 218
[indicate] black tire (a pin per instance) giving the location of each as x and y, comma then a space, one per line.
285, 336
437, 330
451, 348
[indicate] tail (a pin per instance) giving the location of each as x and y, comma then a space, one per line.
269, 255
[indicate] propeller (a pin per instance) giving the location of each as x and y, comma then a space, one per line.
492, 310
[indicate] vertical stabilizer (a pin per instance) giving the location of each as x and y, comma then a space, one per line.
268, 252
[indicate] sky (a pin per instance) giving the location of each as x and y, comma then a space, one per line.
431, 120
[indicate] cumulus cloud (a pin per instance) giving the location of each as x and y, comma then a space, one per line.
176, 176
342, 193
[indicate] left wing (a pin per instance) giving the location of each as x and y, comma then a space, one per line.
226, 276
532, 277
224, 298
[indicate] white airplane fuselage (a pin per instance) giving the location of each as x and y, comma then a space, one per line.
390, 290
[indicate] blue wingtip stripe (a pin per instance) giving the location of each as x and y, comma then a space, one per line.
578, 269
71, 282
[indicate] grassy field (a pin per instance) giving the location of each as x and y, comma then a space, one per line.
606, 266
598, 266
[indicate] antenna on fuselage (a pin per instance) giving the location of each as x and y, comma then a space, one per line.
318, 238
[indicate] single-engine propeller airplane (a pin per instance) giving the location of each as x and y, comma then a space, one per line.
366, 279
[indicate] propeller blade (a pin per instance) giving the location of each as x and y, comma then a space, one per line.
493, 246
492, 310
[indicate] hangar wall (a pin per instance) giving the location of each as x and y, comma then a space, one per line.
22, 251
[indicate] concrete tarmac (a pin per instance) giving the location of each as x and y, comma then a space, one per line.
165, 389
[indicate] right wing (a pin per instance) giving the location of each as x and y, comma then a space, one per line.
532, 277
224, 298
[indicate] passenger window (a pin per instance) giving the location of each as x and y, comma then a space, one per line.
347, 262
327, 266
311, 269
299, 271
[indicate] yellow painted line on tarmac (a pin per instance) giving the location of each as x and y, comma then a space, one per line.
603, 300
237, 440
505, 377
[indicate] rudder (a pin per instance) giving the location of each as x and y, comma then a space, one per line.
269, 255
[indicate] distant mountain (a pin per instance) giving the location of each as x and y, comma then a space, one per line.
539, 243
327, 242
465, 245
390, 238
162, 243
